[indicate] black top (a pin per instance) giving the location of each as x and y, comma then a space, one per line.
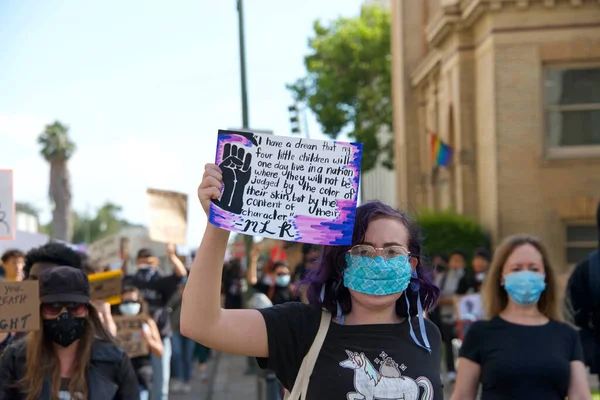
156, 289
64, 391
521, 361
110, 376
280, 294
581, 298
375, 361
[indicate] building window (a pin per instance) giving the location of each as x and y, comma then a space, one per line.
582, 239
572, 108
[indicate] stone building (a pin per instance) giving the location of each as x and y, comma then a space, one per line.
514, 87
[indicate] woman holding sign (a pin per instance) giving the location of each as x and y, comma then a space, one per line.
363, 334
71, 356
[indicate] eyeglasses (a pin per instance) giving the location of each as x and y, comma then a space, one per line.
387, 252
54, 309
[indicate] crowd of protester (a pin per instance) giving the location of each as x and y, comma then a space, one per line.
338, 300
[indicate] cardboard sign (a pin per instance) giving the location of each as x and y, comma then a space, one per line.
7, 206
287, 188
106, 285
105, 251
469, 307
168, 216
129, 335
19, 306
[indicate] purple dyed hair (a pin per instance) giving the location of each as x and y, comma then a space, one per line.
333, 264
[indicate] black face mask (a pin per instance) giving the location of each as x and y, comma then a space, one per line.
64, 329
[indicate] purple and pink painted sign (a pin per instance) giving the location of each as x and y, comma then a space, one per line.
287, 188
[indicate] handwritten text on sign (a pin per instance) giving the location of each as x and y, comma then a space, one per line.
129, 335
19, 306
287, 188
7, 208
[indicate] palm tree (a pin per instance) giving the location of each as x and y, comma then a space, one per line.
57, 149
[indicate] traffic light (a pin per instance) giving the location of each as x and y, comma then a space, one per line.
294, 118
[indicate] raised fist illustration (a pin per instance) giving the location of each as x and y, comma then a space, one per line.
236, 175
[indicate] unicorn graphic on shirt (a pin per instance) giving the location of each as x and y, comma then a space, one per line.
370, 384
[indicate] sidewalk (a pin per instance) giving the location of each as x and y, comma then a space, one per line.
229, 381
200, 390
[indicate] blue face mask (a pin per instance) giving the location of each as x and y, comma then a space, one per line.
524, 287
282, 280
377, 276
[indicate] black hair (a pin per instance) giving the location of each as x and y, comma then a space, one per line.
458, 252
12, 253
144, 253
483, 253
444, 257
52, 253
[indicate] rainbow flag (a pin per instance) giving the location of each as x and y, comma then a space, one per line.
441, 153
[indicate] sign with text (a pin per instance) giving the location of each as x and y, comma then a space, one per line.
105, 251
19, 306
129, 335
106, 285
287, 188
7, 205
469, 307
168, 216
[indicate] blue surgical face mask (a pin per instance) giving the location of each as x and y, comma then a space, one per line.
282, 280
130, 308
524, 287
377, 276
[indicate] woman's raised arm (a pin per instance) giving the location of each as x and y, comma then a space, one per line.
202, 318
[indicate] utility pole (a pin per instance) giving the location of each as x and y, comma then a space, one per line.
248, 240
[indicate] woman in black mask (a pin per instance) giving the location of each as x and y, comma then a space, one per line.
72, 355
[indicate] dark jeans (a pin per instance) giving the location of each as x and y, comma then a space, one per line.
448, 331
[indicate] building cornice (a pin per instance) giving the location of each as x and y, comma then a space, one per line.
429, 64
462, 14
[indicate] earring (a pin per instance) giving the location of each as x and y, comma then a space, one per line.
322, 295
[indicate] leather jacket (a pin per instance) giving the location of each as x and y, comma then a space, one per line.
110, 374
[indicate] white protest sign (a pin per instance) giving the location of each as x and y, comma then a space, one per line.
287, 188
105, 251
7, 205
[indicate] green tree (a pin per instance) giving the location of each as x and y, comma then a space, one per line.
106, 222
445, 231
57, 148
348, 81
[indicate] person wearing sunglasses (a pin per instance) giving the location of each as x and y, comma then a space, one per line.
363, 334
71, 356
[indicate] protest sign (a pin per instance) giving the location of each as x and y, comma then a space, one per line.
7, 206
106, 286
105, 251
129, 335
287, 188
168, 216
469, 307
19, 306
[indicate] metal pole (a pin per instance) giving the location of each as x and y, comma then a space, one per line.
305, 122
248, 240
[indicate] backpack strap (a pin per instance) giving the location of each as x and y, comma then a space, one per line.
308, 363
594, 277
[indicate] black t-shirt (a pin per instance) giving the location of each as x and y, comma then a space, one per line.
521, 361
156, 289
375, 361
280, 295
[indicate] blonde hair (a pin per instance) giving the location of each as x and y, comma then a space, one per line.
495, 298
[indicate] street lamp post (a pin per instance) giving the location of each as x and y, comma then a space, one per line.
248, 240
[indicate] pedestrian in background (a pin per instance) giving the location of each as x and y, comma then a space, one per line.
71, 356
524, 351
183, 348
